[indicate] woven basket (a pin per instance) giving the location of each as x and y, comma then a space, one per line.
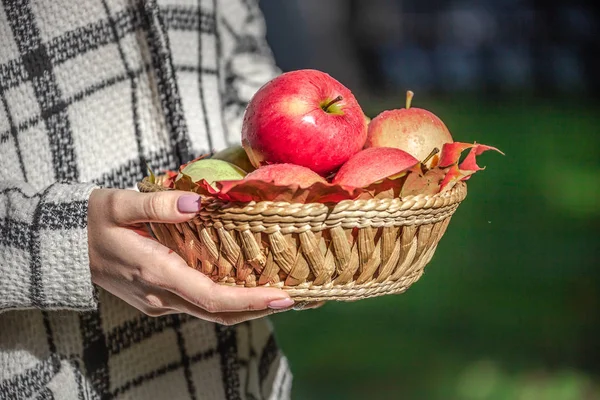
347, 251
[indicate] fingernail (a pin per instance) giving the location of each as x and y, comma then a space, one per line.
281, 303
188, 203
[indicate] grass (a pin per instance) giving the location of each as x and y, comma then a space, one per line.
508, 307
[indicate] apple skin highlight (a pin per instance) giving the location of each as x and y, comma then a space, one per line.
286, 122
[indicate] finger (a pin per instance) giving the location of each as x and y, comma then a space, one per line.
152, 308
234, 318
169, 271
129, 207
198, 289
223, 318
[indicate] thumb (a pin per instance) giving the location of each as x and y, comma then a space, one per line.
168, 206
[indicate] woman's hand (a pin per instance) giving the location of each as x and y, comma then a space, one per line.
127, 262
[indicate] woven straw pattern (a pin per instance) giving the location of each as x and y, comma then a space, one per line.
348, 251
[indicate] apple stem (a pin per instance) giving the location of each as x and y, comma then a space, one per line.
409, 96
433, 153
332, 102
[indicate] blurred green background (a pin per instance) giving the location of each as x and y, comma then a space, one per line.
509, 307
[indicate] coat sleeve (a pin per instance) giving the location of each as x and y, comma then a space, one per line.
248, 59
44, 259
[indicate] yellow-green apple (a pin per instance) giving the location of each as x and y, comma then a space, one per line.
303, 117
286, 175
235, 155
211, 171
373, 164
414, 130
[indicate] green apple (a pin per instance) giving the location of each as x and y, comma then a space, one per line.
212, 171
235, 155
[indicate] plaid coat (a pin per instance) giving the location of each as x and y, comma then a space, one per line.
89, 89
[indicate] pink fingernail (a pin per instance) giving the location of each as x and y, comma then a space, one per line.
281, 303
188, 203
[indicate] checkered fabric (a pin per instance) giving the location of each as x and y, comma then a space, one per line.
90, 90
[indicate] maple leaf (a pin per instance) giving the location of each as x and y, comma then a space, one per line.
319, 192
414, 180
184, 182
169, 179
451, 153
453, 176
257, 190
470, 162
203, 188
389, 187
151, 176
427, 183
450, 157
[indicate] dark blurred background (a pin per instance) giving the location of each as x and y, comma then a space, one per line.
509, 307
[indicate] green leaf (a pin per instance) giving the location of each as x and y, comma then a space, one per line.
152, 177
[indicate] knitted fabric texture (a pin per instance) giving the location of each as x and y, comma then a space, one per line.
89, 92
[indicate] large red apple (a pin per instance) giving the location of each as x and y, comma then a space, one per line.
303, 117
414, 130
286, 175
373, 164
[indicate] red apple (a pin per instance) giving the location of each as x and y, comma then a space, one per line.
372, 165
286, 175
414, 130
306, 118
